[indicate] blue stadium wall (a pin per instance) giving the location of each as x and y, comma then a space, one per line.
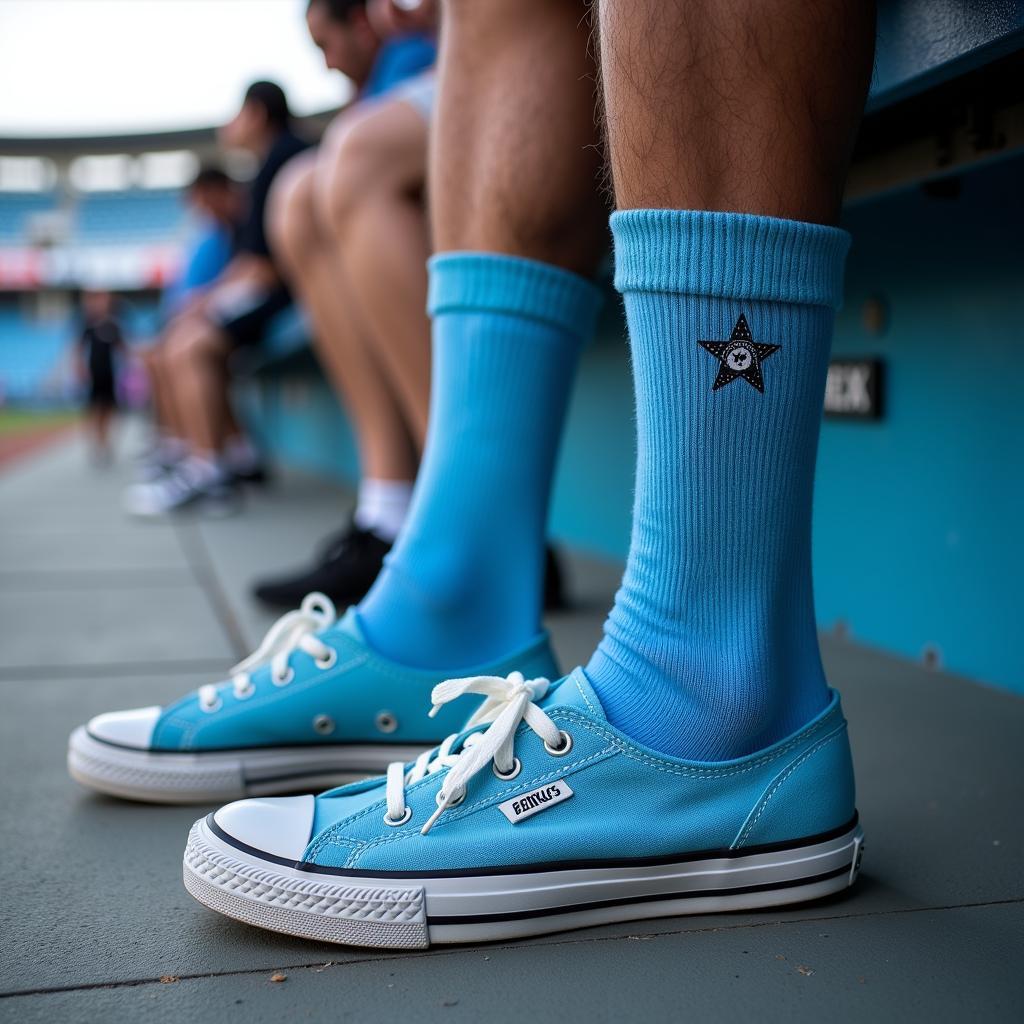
917, 527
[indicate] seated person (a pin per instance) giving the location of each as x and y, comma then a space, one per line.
217, 202
349, 227
235, 312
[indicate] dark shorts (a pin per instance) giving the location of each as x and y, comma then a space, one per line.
246, 323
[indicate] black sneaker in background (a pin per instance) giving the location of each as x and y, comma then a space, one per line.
349, 562
554, 583
344, 570
254, 473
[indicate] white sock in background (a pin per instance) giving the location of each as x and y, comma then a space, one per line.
203, 470
171, 449
382, 506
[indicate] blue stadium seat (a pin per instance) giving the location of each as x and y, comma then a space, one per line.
108, 217
31, 356
16, 208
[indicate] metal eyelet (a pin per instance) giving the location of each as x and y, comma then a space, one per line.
386, 721
517, 767
245, 693
323, 724
562, 750
327, 661
401, 821
215, 705
451, 803
285, 679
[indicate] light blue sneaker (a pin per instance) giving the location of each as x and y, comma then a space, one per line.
539, 817
312, 707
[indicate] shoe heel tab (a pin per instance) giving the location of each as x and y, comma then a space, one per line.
813, 793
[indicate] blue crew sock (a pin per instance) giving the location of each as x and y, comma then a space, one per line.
463, 585
710, 651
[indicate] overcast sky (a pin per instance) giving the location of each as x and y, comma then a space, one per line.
91, 67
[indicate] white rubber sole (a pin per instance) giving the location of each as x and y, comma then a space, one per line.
416, 912
221, 776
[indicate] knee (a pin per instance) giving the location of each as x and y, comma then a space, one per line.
200, 344
353, 170
291, 223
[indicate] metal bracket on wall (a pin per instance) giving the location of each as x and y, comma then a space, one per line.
960, 125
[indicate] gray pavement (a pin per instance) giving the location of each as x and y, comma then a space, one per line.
97, 613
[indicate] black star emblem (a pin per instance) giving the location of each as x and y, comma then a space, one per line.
740, 356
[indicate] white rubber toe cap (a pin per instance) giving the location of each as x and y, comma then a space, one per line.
276, 825
126, 728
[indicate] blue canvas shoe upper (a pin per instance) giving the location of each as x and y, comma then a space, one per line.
540, 777
312, 681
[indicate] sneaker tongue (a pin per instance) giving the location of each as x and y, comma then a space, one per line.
348, 625
574, 690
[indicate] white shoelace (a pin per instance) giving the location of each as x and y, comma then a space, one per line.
292, 632
509, 701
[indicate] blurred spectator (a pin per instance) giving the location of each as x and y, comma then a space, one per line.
99, 347
190, 368
218, 203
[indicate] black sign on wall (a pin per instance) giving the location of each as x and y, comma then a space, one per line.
853, 389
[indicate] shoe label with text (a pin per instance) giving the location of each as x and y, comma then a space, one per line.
527, 804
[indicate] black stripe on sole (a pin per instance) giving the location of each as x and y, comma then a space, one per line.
313, 745
739, 890
537, 868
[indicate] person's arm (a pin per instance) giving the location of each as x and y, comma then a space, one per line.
79, 363
250, 267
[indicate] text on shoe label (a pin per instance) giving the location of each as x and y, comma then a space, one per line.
521, 807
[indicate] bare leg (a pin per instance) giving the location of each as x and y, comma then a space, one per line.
104, 416
373, 195
197, 354
514, 158
734, 104
163, 382
385, 447
163, 414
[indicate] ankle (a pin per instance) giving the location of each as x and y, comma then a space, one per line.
707, 703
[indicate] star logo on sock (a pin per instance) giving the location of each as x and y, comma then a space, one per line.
740, 356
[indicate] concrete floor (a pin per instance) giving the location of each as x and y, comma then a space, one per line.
98, 613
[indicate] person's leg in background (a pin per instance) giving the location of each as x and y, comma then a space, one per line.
197, 357
164, 416
104, 413
300, 240
517, 221
98, 416
193, 372
372, 194
168, 446
388, 453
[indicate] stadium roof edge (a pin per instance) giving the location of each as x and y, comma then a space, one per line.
184, 138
